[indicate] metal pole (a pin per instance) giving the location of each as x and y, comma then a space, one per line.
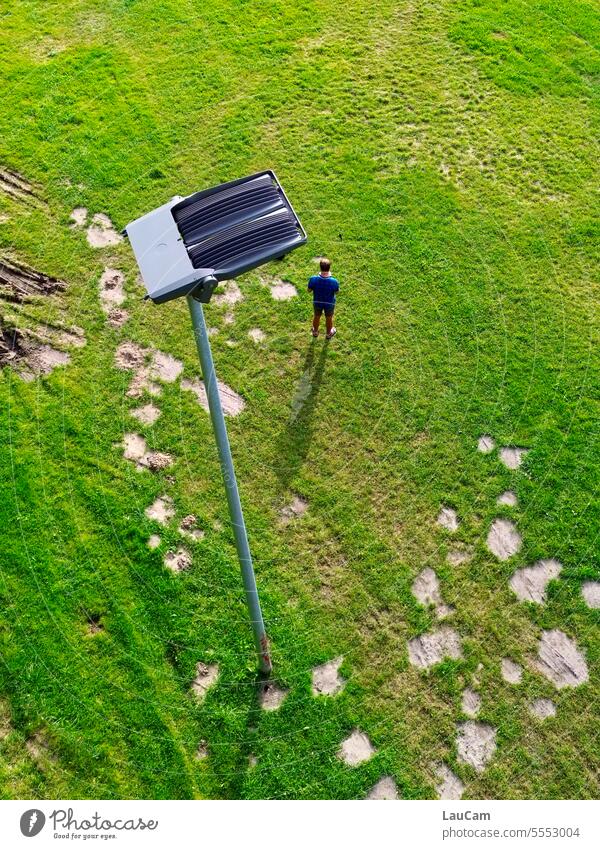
231, 488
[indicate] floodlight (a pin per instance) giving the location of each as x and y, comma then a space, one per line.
215, 234
185, 248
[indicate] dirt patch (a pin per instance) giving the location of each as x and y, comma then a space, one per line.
457, 557
507, 499
542, 709
15, 185
38, 746
101, 232
449, 785
178, 561
475, 744
326, 679
530, 583
560, 660
230, 295
202, 750
147, 414
257, 335
117, 317
591, 594
134, 447
19, 283
229, 318
282, 290
272, 696
511, 671
112, 293
165, 367
503, 539
431, 648
448, 519
188, 528
485, 444
94, 624
512, 457
356, 749
153, 541
206, 676
295, 510
384, 789
156, 461
471, 703
79, 216
162, 510
426, 589
130, 356
232, 403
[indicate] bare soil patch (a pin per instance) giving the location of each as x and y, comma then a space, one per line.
384, 789
79, 216
503, 539
17, 186
295, 510
356, 749
230, 295
471, 703
475, 744
101, 232
591, 594
153, 541
162, 510
178, 561
432, 647
165, 367
283, 290
507, 499
19, 283
206, 676
117, 317
448, 519
560, 660
326, 679
202, 750
512, 457
542, 709
457, 557
486, 444
112, 292
189, 528
511, 671
530, 583
232, 403
257, 335
426, 589
449, 785
147, 414
272, 696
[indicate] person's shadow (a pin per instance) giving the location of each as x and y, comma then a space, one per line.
294, 440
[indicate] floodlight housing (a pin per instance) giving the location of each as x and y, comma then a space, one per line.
190, 244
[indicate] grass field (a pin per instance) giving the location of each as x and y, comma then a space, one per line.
445, 156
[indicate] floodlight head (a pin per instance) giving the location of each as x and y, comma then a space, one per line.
219, 233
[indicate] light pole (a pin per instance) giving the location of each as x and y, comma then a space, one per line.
186, 247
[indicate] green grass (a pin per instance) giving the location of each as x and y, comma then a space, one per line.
444, 155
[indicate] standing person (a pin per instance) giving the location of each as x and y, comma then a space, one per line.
323, 286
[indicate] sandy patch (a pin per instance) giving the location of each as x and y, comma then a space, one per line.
457, 557
147, 414
252, 761
162, 510
448, 519
257, 335
356, 749
130, 356
272, 696
485, 444
112, 293
188, 528
431, 648
178, 561
164, 367
542, 709
449, 785
101, 232
475, 744
512, 457
326, 679
94, 624
231, 402
503, 539
282, 290
471, 703
384, 789
231, 294
229, 318
426, 590
79, 216
507, 499
202, 750
511, 671
153, 541
295, 510
38, 746
206, 677
156, 461
134, 446
591, 594
117, 317
560, 660
530, 583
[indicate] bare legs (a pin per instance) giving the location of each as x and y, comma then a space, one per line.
317, 322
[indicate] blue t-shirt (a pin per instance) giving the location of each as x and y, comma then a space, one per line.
323, 289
